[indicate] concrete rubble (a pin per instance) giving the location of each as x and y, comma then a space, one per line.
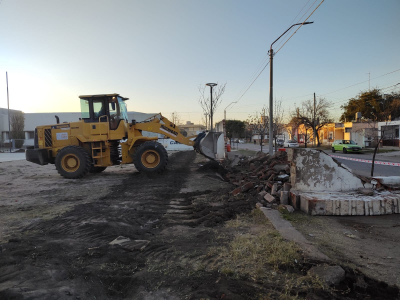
312, 181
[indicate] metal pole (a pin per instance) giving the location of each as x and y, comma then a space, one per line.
211, 110
8, 105
227, 108
314, 122
271, 107
271, 88
211, 85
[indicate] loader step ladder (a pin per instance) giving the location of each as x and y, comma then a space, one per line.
97, 147
97, 153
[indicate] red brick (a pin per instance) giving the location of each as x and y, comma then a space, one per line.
247, 186
236, 191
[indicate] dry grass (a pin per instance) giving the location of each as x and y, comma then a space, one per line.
255, 253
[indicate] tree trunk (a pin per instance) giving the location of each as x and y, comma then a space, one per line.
373, 157
318, 143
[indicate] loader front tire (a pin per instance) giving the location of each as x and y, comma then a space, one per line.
73, 162
150, 157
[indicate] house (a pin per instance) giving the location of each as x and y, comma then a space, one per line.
191, 128
390, 131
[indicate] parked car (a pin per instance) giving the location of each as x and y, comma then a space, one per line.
241, 142
279, 142
291, 144
345, 146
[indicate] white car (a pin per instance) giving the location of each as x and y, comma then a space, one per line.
241, 142
291, 144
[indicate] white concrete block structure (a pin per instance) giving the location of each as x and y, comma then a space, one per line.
321, 186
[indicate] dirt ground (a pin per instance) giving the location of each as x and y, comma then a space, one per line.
370, 244
186, 238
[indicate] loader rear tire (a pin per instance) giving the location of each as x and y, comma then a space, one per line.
73, 162
150, 157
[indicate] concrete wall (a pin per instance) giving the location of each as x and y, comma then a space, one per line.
315, 171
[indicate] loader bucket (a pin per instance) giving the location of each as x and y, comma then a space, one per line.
211, 145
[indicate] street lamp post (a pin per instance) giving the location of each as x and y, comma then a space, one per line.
271, 56
8, 112
211, 85
226, 108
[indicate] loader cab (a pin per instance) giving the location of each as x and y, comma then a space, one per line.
109, 108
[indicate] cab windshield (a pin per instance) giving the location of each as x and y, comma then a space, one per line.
123, 109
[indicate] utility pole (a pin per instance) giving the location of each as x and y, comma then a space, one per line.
8, 105
314, 122
271, 115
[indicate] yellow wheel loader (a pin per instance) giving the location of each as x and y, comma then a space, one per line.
104, 137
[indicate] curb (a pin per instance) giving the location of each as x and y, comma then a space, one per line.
290, 233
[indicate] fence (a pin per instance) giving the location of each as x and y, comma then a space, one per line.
15, 145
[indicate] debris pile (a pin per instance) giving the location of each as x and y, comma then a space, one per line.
265, 176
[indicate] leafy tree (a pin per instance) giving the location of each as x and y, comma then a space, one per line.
373, 105
234, 128
17, 122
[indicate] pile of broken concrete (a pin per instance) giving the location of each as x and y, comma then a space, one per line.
311, 181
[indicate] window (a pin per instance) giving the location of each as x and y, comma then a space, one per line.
85, 109
30, 134
123, 109
331, 135
98, 109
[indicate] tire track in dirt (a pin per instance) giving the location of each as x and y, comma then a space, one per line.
70, 255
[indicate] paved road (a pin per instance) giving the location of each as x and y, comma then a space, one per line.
360, 168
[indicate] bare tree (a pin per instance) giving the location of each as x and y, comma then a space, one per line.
17, 122
258, 124
205, 101
175, 118
386, 131
278, 120
315, 116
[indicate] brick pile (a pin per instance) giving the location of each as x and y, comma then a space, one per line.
267, 177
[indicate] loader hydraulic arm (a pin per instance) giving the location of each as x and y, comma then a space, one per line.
160, 124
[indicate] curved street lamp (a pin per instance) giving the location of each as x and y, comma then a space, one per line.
226, 108
271, 55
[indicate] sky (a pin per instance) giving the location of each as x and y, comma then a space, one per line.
159, 52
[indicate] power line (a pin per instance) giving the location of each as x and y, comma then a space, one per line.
276, 53
344, 87
299, 27
361, 82
298, 21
